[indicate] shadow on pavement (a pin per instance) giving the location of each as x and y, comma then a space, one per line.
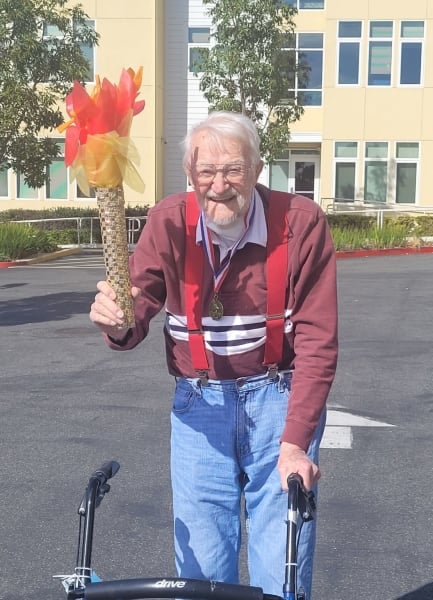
423, 593
8, 286
38, 309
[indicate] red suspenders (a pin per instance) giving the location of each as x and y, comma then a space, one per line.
194, 257
276, 268
276, 275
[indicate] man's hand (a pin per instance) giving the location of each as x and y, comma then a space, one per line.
106, 314
293, 459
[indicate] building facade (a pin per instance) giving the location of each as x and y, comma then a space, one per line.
366, 135
131, 34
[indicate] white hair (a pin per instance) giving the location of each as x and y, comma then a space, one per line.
220, 126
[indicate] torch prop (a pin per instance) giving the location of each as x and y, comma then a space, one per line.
101, 155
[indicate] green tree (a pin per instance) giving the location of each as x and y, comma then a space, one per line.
251, 67
40, 56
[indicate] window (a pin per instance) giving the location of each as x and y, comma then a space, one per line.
81, 194
198, 47
380, 53
306, 4
345, 154
57, 177
24, 190
279, 174
53, 32
4, 188
88, 52
411, 51
307, 84
376, 171
407, 155
349, 34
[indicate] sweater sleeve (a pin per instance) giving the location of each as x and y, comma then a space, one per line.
314, 318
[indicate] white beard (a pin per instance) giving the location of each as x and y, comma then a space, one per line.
228, 218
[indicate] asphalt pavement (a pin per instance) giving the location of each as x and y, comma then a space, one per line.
68, 403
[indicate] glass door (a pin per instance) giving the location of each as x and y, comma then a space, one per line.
304, 175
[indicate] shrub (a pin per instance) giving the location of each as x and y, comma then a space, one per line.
21, 241
64, 232
63, 237
414, 225
389, 236
360, 222
63, 212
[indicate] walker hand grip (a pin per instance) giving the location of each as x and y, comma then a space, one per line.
295, 479
98, 482
106, 471
300, 498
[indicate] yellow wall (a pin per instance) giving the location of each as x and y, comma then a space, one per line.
131, 35
362, 113
129, 38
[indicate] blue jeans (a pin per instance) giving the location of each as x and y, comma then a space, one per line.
225, 445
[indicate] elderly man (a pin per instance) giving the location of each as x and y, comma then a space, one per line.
247, 279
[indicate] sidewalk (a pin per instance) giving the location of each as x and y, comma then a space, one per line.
340, 254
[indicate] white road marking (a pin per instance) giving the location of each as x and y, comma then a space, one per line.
338, 431
337, 437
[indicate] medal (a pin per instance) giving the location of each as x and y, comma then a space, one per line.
220, 269
216, 309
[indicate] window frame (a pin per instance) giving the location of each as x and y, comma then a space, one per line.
368, 161
408, 161
341, 40
297, 91
380, 40
296, 3
92, 49
283, 163
416, 40
351, 160
192, 45
60, 159
29, 192
4, 176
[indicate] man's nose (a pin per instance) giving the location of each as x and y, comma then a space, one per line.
219, 183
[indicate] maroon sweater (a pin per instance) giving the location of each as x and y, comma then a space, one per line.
310, 348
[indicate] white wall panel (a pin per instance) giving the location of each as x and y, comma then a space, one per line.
184, 103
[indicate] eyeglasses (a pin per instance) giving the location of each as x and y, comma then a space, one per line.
232, 173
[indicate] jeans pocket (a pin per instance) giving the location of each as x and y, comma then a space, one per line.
184, 397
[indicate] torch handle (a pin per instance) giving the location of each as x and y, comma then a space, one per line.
111, 206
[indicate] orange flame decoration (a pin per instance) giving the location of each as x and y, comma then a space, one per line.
97, 146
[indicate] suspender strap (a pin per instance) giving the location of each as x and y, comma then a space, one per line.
276, 269
193, 280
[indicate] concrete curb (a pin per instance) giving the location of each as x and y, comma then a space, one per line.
384, 252
47, 257
340, 254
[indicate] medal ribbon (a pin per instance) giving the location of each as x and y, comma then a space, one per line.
219, 273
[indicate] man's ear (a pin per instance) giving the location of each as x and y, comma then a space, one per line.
189, 177
259, 169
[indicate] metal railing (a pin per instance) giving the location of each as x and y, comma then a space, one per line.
342, 206
133, 225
